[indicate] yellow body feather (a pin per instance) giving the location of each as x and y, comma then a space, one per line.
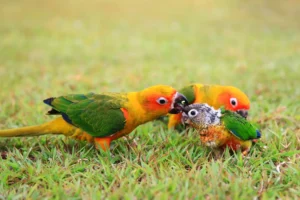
139, 108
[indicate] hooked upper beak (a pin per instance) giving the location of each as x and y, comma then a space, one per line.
243, 113
179, 103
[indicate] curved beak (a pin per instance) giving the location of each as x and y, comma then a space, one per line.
179, 102
243, 113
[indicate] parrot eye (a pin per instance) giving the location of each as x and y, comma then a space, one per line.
162, 100
193, 113
233, 102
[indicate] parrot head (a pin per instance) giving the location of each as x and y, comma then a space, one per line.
200, 115
235, 100
161, 99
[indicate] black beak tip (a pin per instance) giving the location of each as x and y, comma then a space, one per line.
174, 111
243, 113
179, 103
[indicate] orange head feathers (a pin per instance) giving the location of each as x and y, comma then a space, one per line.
233, 99
161, 99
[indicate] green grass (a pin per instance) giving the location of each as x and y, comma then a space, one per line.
49, 49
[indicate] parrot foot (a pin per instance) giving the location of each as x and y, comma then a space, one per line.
245, 152
103, 143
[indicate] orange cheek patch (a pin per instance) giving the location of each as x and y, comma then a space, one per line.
151, 103
156, 106
246, 107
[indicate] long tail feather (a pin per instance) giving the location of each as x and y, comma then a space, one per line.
22, 132
56, 126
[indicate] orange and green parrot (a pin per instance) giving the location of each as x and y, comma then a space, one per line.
101, 118
216, 96
220, 128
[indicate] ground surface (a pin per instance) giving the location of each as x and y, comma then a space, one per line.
50, 48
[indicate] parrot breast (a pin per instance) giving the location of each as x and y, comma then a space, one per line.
220, 137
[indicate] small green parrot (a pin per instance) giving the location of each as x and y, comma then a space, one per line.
220, 128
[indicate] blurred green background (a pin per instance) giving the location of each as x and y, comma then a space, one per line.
51, 48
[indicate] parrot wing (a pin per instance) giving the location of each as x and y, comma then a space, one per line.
239, 126
100, 115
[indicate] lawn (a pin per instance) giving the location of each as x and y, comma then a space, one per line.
51, 48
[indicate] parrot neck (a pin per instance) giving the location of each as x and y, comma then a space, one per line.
216, 92
207, 94
140, 110
139, 115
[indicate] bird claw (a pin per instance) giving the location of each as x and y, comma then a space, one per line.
245, 152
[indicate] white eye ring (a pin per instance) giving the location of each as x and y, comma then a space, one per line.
193, 113
233, 102
162, 101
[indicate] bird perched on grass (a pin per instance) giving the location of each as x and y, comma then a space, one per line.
101, 118
220, 128
231, 98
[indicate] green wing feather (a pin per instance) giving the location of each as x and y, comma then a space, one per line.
188, 92
239, 126
99, 115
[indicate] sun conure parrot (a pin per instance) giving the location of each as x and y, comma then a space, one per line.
216, 96
220, 128
101, 118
